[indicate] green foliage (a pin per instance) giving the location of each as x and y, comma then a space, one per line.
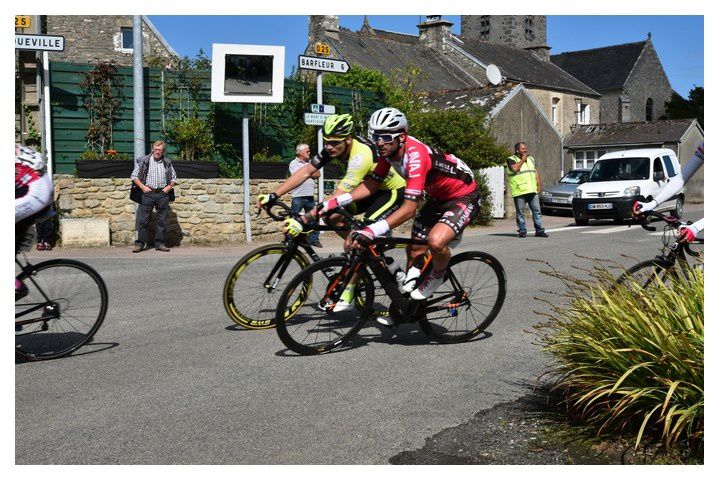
693, 107
630, 359
462, 132
107, 155
263, 156
102, 98
285, 120
188, 127
33, 138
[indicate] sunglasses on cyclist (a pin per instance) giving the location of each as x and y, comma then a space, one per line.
385, 137
332, 143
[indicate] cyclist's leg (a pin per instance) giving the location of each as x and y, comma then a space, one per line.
455, 215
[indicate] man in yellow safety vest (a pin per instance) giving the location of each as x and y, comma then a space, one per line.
525, 185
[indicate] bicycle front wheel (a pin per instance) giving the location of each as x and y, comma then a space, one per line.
648, 274
65, 305
468, 301
306, 321
255, 284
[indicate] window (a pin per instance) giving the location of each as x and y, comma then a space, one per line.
583, 113
586, 158
669, 165
529, 28
127, 38
555, 111
650, 110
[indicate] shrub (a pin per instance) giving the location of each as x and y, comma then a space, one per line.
631, 361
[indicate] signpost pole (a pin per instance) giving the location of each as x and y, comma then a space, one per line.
320, 144
46, 124
246, 170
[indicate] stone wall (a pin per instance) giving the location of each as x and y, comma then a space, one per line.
204, 211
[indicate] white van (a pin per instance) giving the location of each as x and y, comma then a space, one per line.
618, 179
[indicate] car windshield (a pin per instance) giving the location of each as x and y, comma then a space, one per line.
575, 176
620, 169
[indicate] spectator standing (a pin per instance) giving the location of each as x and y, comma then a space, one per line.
156, 177
303, 197
525, 185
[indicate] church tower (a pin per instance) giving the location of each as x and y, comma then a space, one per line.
522, 31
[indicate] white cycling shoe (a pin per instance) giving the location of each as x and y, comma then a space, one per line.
428, 287
346, 301
410, 279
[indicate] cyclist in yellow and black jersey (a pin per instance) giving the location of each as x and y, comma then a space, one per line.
361, 158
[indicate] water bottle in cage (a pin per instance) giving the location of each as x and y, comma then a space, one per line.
395, 269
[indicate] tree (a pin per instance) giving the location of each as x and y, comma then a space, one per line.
693, 107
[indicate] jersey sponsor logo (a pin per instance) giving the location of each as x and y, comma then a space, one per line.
354, 163
413, 192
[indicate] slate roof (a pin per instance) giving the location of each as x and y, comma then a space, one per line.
383, 53
486, 98
632, 133
522, 66
603, 69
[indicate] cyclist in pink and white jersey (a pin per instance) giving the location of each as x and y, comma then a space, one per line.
452, 204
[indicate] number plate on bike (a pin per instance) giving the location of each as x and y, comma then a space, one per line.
599, 206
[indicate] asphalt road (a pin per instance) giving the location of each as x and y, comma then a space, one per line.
169, 379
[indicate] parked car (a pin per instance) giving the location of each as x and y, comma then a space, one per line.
618, 179
559, 196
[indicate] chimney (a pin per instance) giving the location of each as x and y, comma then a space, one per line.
434, 31
322, 26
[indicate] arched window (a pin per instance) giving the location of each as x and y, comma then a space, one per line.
650, 109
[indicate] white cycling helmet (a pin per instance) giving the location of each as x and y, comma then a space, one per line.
29, 157
387, 120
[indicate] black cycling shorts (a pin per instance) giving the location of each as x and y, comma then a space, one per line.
379, 205
456, 213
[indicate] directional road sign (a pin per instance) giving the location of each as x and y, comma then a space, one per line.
50, 43
323, 64
319, 108
316, 118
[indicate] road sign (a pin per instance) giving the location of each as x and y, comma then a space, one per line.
322, 49
316, 118
323, 64
23, 21
49, 43
319, 108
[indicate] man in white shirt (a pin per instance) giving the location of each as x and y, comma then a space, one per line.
303, 197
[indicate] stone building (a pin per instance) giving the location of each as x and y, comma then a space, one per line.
105, 38
521, 31
539, 100
630, 77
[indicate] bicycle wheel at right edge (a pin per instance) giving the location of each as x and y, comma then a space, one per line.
468, 301
646, 273
247, 300
66, 317
304, 318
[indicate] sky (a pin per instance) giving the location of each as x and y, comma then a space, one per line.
679, 40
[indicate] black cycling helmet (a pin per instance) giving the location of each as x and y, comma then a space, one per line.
338, 126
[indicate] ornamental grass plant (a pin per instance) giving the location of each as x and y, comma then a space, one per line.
629, 360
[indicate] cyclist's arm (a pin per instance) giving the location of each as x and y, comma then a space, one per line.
365, 189
38, 196
677, 182
297, 179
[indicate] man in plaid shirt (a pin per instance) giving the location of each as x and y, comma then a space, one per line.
155, 176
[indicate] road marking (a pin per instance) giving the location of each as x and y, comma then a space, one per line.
622, 228
561, 229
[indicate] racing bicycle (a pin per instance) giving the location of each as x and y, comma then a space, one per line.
65, 305
462, 307
670, 263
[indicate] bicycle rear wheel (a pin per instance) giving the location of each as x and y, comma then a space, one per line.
305, 321
256, 282
66, 304
468, 301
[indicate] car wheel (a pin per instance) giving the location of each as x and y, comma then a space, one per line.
545, 211
678, 209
